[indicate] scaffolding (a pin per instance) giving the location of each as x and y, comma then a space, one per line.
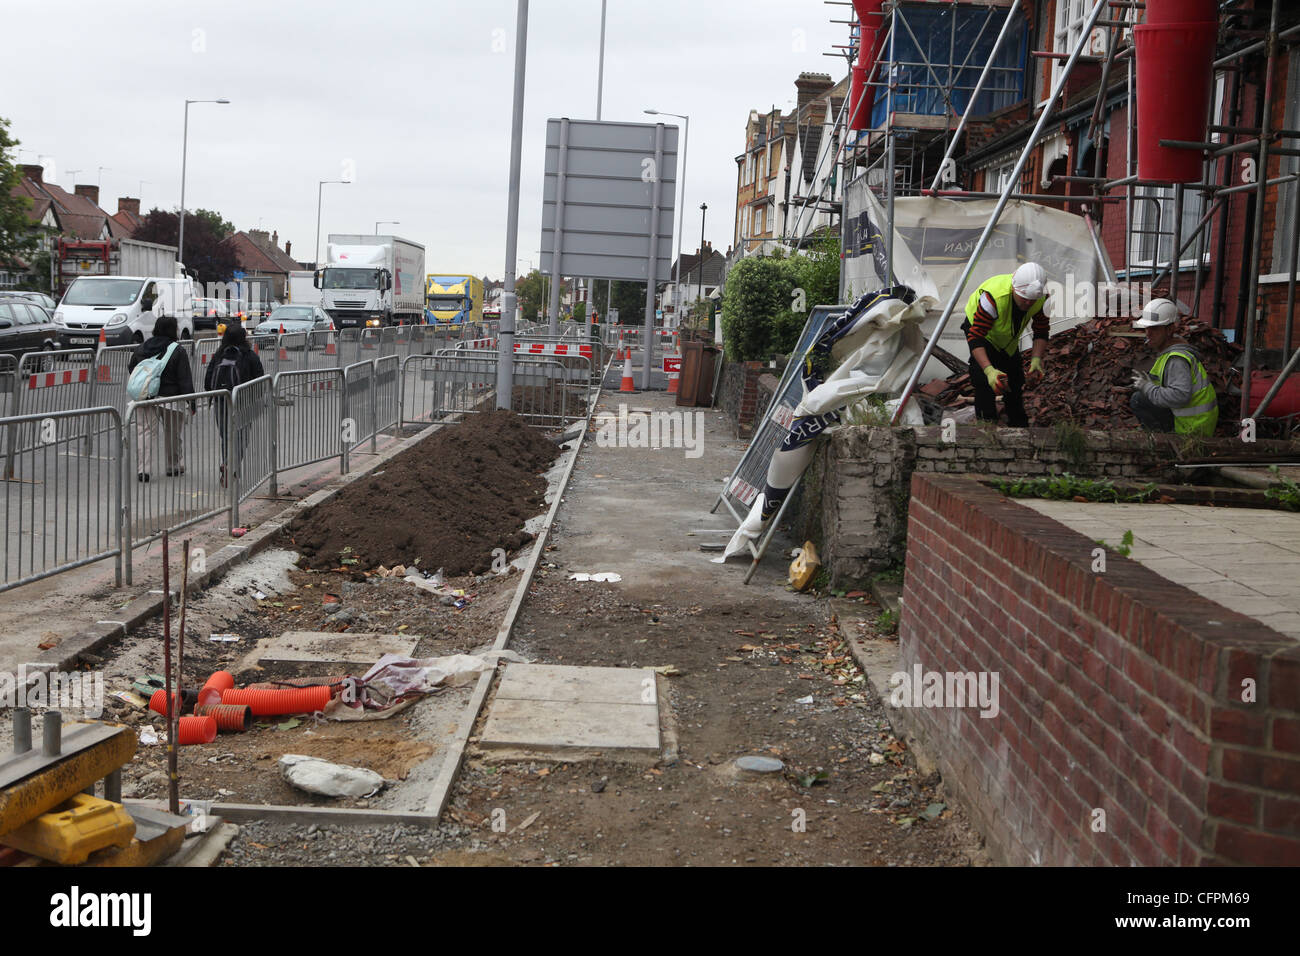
924, 88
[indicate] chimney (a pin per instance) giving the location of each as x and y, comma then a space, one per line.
260, 237
35, 173
275, 239
810, 86
287, 244
90, 192
127, 204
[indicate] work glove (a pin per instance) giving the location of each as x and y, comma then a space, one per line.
1142, 382
997, 379
1036, 372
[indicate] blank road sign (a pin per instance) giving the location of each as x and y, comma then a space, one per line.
610, 173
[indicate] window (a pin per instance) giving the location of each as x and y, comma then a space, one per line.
1154, 237
996, 177
1070, 17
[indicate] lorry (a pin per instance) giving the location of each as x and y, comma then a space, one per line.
109, 257
453, 299
370, 281
302, 290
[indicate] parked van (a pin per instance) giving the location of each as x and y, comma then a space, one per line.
125, 307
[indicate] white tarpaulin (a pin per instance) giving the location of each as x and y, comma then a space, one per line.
933, 240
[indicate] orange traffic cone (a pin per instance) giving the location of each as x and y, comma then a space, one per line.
103, 338
329, 347
284, 353
672, 381
628, 385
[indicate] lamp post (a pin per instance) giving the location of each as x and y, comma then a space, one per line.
681, 200
99, 176
185, 147
704, 211
385, 222
320, 186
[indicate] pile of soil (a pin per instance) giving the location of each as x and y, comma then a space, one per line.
1088, 373
448, 502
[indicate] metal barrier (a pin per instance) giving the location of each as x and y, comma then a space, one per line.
371, 344
387, 396
454, 383
248, 450
292, 352
172, 487
62, 508
112, 371
309, 410
358, 407
49, 382
204, 350
8, 385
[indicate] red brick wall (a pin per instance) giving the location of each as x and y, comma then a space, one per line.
1118, 691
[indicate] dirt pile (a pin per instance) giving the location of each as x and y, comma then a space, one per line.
447, 502
1088, 371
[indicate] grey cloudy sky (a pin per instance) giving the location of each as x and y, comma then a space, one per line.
413, 97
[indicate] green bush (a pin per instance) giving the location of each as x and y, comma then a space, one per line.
757, 292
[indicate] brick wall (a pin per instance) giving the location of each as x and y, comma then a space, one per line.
739, 396
854, 505
1118, 692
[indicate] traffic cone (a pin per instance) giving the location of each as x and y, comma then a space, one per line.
329, 347
628, 385
103, 338
672, 382
284, 353
102, 372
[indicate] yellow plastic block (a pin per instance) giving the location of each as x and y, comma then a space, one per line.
74, 830
804, 568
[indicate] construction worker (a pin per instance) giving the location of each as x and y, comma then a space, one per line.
1176, 396
996, 315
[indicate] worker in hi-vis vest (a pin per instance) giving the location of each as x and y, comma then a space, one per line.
996, 316
1176, 395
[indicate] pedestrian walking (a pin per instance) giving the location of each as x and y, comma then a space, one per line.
165, 420
233, 364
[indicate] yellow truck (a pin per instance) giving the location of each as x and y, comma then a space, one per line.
453, 299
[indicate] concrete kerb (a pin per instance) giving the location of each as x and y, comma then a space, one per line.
149, 604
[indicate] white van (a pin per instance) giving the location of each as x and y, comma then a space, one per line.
125, 307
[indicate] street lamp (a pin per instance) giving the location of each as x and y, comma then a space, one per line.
99, 177
681, 199
385, 222
185, 147
320, 186
704, 210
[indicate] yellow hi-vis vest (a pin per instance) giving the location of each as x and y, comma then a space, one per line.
1201, 413
1003, 335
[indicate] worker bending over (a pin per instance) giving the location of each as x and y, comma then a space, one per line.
1176, 395
996, 315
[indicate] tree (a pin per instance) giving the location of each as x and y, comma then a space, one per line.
629, 299
17, 237
210, 259
579, 312
758, 293
222, 228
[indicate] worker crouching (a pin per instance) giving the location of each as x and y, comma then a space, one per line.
1176, 395
997, 314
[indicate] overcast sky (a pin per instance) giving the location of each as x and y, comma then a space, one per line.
409, 98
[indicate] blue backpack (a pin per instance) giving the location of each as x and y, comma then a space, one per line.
146, 378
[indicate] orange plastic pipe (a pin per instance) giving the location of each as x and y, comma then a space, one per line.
271, 703
196, 730
218, 682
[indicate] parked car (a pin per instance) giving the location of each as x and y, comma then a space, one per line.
123, 307
40, 298
26, 327
209, 313
292, 318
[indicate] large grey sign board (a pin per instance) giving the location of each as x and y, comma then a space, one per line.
609, 174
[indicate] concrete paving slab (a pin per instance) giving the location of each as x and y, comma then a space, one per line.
557, 725
324, 647
601, 685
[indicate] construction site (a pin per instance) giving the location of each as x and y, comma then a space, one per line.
995, 565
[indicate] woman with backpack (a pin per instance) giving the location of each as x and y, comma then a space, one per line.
173, 379
233, 364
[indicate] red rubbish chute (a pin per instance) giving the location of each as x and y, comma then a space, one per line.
1174, 50
860, 98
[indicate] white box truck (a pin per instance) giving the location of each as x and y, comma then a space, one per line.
372, 281
302, 289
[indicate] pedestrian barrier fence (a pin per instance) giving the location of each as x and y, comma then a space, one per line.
8, 384
248, 444
455, 383
358, 406
309, 412
61, 507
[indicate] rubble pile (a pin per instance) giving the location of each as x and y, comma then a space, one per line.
1088, 370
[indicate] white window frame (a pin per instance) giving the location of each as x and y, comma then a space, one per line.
1070, 17
1287, 193
1194, 206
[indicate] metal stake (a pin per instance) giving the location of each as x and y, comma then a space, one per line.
52, 734
22, 730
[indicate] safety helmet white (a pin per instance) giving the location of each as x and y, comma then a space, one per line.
1029, 280
1157, 312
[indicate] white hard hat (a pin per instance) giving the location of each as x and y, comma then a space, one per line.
1029, 280
1157, 312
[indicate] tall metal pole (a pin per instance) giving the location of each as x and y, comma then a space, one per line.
889, 148
1007, 190
704, 211
185, 148
506, 332
320, 186
553, 320
1261, 174
681, 208
600, 70
652, 263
